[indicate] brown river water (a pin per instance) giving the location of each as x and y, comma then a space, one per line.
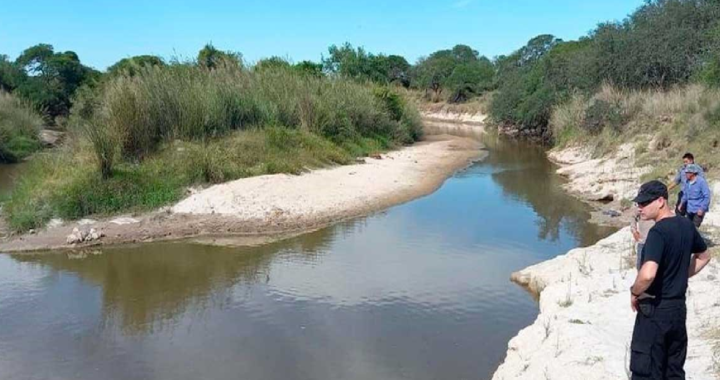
419, 291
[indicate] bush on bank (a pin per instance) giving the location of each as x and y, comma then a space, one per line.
20, 127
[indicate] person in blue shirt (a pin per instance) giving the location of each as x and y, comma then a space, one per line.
681, 179
696, 194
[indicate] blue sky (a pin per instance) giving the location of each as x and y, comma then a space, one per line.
103, 32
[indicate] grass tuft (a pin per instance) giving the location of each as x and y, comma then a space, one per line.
20, 126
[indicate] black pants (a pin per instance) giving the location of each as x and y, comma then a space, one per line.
695, 218
659, 342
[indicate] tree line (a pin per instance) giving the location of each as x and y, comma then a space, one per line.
49, 80
662, 44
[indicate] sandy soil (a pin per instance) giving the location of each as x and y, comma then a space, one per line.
255, 210
464, 118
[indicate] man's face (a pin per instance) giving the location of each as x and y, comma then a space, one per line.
690, 176
687, 161
650, 210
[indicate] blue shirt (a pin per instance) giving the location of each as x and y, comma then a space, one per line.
680, 177
697, 195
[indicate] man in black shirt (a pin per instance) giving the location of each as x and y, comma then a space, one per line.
674, 251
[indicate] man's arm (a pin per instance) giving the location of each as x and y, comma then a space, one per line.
653, 252
698, 262
644, 278
676, 180
705, 190
643, 281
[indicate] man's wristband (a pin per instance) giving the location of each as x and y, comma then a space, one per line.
635, 295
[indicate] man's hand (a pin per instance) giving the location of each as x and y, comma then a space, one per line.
700, 213
680, 207
634, 304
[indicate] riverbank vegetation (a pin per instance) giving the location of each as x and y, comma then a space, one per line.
141, 138
662, 45
652, 76
20, 126
661, 125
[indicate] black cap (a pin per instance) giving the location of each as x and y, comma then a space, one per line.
651, 191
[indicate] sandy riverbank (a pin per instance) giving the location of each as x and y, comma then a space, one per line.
252, 210
465, 118
585, 322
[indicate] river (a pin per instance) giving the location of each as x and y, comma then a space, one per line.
419, 291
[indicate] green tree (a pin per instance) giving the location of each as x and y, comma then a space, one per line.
526, 92
391, 69
348, 62
309, 68
460, 69
130, 66
35, 59
472, 78
210, 57
356, 63
52, 78
10, 74
272, 63
662, 44
431, 73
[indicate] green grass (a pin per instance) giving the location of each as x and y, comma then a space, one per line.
662, 125
19, 129
188, 102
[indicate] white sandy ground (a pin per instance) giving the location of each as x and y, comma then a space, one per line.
585, 323
453, 117
320, 193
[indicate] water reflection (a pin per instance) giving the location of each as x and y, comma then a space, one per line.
145, 284
528, 176
419, 291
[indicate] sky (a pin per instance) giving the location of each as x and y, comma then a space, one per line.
102, 32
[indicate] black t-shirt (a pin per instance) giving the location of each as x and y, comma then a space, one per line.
671, 243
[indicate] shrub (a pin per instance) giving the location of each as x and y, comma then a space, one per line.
601, 114
19, 129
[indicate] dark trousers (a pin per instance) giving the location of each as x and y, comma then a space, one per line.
678, 203
695, 218
659, 342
